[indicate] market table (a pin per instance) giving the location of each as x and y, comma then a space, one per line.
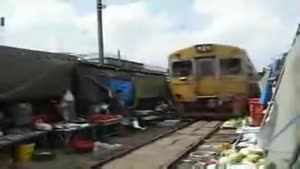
11, 139
65, 133
105, 124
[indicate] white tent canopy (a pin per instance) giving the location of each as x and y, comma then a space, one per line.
280, 136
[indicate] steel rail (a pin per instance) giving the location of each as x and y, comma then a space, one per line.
120, 155
172, 164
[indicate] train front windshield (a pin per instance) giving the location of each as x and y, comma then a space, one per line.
205, 67
182, 68
230, 66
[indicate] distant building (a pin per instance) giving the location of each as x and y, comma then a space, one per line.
114, 60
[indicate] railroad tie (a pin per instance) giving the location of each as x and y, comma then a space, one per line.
160, 152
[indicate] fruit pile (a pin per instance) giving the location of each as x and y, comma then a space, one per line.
235, 123
251, 155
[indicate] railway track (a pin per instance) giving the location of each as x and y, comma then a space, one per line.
132, 141
165, 150
211, 143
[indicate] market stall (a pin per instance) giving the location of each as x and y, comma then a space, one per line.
280, 132
234, 146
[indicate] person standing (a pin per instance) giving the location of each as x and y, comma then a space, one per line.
66, 106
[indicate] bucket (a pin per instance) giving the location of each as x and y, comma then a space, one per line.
24, 152
256, 111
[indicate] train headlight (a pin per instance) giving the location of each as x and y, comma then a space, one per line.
178, 96
211, 103
203, 48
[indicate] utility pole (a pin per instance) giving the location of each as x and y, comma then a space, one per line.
2, 21
119, 58
119, 54
2, 25
100, 6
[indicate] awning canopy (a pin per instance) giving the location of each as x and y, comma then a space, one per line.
27, 75
280, 135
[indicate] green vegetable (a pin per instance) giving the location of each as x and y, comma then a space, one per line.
235, 122
261, 161
245, 151
224, 160
236, 157
246, 161
255, 150
253, 157
227, 152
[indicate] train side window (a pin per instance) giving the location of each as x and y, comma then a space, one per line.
230, 66
182, 68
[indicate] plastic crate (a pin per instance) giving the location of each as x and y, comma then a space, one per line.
256, 111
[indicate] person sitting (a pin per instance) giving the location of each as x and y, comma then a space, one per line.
118, 107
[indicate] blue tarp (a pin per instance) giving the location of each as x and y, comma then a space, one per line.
267, 93
275, 67
126, 87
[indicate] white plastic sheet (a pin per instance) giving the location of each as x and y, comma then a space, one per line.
281, 134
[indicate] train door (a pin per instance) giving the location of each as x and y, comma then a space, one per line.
206, 76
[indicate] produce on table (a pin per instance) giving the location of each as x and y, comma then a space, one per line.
234, 122
252, 150
236, 157
227, 152
261, 161
256, 150
224, 160
239, 122
226, 146
246, 161
240, 166
252, 155
245, 151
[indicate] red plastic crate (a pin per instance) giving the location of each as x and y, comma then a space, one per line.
256, 111
257, 119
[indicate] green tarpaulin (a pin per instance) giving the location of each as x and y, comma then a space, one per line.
27, 75
147, 88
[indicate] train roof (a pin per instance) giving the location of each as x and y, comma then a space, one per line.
215, 45
222, 48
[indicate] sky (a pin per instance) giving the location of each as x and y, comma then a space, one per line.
149, 30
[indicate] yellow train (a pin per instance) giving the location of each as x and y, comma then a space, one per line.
212, 80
